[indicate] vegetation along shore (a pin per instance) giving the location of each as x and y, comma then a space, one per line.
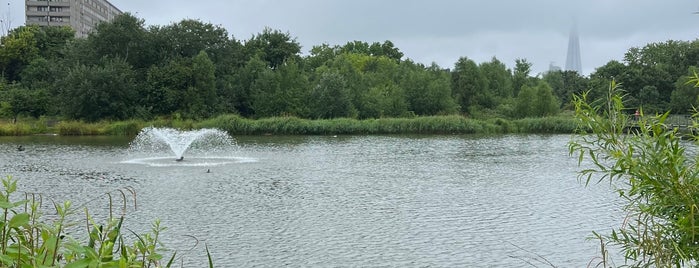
190, 74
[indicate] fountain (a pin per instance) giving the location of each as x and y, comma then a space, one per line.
157, 143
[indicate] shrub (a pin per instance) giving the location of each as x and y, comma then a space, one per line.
652, 173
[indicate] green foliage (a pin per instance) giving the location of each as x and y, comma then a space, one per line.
331, 97
16, 100
18, 49
17, 129
452, 124
499, 80
536, 101
273, 46
553, 125
520, 76
427, 90
125, 128
685, 97
104, 91
120, 38
281, 92
566, 84
27, 239
76, 128
652, 172
470, 86
125, 70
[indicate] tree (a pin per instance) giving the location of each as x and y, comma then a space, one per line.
17, 50
499, 81
51, 41
331, 96
470, 86
201, 97
386, 101
166, 87
427, 90
320, 55
122, 38
96, 92
565, 84
16, 100
685, 97
385, 49
520, 76
536, 101
605, 74
280, 92
240, 94
273, 46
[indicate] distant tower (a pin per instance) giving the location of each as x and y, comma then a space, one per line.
573, 59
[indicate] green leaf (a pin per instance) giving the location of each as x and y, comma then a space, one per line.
19, 220
91, 254
79, 264
6, 204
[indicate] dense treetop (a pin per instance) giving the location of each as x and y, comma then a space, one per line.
192, 69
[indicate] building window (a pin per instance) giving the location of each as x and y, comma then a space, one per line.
42, 8
56, 9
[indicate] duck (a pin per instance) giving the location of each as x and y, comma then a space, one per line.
20, 148
179, 159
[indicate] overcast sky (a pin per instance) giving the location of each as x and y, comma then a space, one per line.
441, 31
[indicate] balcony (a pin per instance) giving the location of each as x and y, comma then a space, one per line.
32, 3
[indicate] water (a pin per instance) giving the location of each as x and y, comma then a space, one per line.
406, 201
152, 140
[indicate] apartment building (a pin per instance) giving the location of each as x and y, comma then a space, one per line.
81, 15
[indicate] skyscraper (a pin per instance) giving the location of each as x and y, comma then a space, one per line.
573, 59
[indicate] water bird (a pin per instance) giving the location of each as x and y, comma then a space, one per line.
179, 159
20, 148
208, 170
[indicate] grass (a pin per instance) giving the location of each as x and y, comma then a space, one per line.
236, 125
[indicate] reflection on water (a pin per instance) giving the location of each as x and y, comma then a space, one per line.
206, 161
445, 201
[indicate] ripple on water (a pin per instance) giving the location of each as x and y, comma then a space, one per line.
442, 201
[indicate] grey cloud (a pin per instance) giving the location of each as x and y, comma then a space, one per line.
444, 30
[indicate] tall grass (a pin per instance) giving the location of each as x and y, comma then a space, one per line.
124, 128
557, 125
18, 129
295, 126
237, 125
77, 128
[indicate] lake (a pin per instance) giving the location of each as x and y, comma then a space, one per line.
405, 201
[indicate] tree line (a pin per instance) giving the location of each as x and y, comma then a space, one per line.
196, 70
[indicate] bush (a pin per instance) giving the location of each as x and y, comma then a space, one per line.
651, 172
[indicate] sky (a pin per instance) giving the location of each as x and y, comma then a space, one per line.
441, 31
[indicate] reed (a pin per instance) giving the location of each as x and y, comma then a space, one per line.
553, 125
79, 128
18, 129
237, 125
124, 128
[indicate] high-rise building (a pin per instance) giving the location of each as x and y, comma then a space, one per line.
81, 15
573, 59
